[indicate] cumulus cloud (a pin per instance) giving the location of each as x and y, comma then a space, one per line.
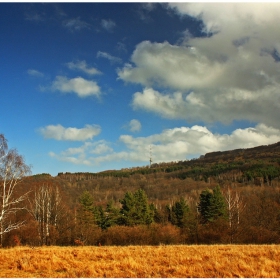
112, 59
58, 132
231, 74
75, 24
108, 25
79, 85
82, 66
220, 105
134, 125
35, 73
174, 144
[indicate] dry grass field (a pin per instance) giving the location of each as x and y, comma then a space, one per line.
142, 261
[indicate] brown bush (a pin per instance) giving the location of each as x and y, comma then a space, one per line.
142, 235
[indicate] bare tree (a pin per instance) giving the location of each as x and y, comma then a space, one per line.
46, 210
12, 171
235, 206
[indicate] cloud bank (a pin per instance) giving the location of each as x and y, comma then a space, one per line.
179, 143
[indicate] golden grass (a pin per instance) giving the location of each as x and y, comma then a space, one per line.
201, 261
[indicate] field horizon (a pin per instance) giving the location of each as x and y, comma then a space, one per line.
178, 261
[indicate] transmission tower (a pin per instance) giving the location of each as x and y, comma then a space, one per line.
151, 156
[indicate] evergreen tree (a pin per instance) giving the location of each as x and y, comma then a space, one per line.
110, 216
86, 210
86, 222
211, 205
181, 212
135, 209
218, 204
204, 205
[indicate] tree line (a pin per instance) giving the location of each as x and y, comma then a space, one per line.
43, 211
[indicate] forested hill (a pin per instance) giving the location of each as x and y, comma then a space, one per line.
164, 182
261, 161
260, 152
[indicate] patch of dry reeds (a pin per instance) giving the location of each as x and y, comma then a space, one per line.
142, 261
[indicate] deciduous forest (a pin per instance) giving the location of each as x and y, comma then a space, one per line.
230, 197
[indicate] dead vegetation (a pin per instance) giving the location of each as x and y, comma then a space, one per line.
199, 261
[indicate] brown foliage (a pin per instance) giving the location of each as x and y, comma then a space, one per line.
142, 235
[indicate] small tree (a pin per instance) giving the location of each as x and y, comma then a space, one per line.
211, 205
204, 205
12, 170
85, 222
110, 216
179, 213
135, 209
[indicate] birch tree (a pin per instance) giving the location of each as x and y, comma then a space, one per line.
235, 206
12, 171
46, 210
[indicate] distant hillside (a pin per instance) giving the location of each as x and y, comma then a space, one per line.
258, 166
204, 166
266, 151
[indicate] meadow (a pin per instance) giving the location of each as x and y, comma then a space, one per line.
199, 261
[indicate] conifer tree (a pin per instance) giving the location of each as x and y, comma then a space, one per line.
211, 205
204, 205
135, 209
218, 205
111, 215
86, 210
181, 213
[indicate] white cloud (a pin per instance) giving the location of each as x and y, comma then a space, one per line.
108, 25
229, 75
112, 59
58, 132
75, 24
79, 85
82, 154
220, 105
171, 145
221, 16
82, 66
35, 73
100, 147
134, 125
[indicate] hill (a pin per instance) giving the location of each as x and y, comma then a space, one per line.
164, 182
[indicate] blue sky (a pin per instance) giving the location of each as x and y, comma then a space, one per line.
94, 86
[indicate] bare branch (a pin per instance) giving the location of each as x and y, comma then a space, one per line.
12, 171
